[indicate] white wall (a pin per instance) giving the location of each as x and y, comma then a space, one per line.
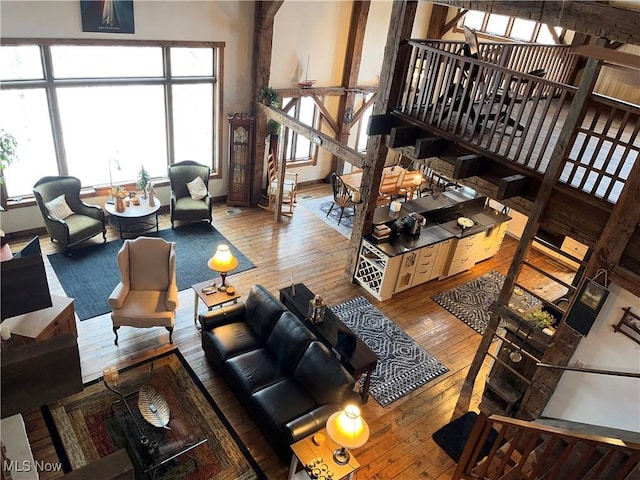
601, 399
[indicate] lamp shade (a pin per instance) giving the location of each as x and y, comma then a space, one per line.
222, 261
347, 428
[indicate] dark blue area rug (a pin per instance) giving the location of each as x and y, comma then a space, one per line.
90, 274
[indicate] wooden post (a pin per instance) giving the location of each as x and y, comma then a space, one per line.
552, 173
400, 25
353, 58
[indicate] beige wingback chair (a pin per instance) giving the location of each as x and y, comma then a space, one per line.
147, 295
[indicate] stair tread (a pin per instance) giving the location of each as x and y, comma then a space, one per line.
502, 388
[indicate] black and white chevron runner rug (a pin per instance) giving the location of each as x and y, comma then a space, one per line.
471, 301
403, 366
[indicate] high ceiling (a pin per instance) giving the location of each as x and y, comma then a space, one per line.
618, 21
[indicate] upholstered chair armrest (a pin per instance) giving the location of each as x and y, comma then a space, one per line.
309, 423
171, 302
222, 316
173, 199
58, 229
93, 211
118, 296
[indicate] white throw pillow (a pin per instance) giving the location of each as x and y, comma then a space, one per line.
58, 208
197, 188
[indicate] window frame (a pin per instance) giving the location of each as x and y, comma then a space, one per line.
51, 84
507, 36
293, 103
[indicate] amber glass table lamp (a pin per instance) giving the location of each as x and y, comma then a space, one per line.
349, 430
222, 262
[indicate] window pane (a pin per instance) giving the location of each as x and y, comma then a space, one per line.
193, 123
523, 29
131, 130
306, 115
24, 114
497, 24
20, 63
544, 35
364, 124
191, 62
106, 62
473, 19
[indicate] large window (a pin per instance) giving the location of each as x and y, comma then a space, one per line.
511, 27
75, 108
297, 148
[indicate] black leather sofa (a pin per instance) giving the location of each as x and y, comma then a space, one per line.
287, 380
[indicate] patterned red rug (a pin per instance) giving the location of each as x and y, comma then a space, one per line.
89, 425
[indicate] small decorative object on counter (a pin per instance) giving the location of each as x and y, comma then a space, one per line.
316, 310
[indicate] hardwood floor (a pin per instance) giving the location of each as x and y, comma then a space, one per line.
305, 249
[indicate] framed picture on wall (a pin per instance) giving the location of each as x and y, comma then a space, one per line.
107, 16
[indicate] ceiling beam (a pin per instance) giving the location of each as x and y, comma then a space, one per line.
316, 136
594, 18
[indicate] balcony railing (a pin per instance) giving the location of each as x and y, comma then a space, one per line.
512, 103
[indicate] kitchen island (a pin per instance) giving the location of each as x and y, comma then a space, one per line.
442, 249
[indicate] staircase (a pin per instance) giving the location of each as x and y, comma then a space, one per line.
547, 450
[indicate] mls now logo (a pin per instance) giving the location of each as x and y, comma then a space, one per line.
29, 466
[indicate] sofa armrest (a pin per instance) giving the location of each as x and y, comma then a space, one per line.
222, 316
309, 423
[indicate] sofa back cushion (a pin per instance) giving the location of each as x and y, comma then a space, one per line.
322, 375
262, 310
288, 341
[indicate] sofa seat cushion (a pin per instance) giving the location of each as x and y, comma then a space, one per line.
255, 370
282, 402
232, 339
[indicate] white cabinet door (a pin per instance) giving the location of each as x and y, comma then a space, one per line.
407, 271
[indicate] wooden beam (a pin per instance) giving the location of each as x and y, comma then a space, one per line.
437, 21
262, 46
554, 169
467, 166
454, 21
394, 62
316, 136
382, 124
405, 135
326, 115
594, 18
512, 186
429, 147
350, 72
269, 13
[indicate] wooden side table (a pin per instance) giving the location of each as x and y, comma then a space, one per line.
43, 324
306, 451
216, 299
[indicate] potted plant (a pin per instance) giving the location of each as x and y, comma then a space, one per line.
143, 180
269, 97
8, 146
541, 318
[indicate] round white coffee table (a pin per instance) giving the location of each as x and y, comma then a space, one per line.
135, 219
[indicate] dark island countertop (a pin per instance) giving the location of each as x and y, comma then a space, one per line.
442, 211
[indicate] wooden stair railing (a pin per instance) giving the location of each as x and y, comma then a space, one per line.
526, 450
